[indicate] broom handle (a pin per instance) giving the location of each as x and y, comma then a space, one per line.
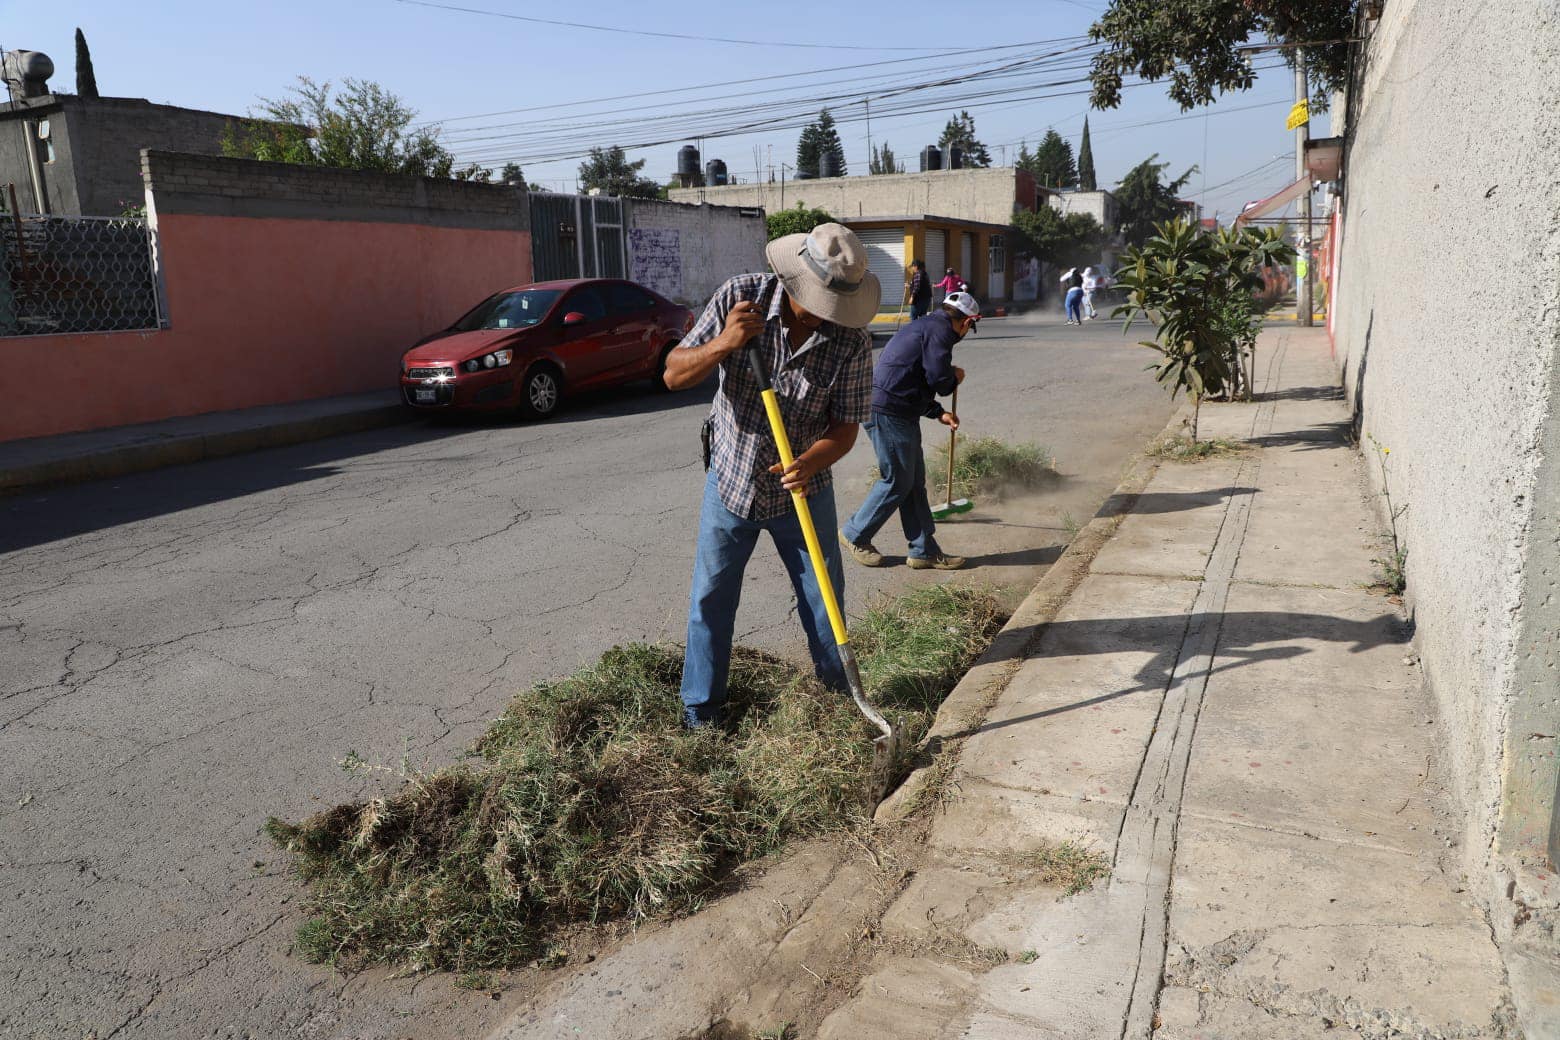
953, 438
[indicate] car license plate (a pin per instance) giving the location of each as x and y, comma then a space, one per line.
426, 395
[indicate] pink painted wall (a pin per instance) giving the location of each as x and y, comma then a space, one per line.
262, 311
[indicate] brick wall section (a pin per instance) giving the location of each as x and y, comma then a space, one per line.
207, 185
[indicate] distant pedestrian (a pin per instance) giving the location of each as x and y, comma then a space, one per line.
951, 282
1091, 283
919, 289
915, 368
1072, 283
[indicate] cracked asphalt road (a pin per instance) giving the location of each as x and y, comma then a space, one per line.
186, 652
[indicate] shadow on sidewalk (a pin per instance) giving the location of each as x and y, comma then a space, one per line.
1314, 438
1245, 638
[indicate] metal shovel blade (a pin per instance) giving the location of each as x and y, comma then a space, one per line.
885, 746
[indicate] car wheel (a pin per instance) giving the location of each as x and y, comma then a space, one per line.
660, 368
541, 392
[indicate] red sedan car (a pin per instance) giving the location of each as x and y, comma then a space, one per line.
524, 348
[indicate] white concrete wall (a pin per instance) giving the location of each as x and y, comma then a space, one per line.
1101, 205
981, 195
685, 252
1447, 325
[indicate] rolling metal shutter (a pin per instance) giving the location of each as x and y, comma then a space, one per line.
936, 258
967, 257
886, 259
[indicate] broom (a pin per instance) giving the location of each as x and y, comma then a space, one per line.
951, 506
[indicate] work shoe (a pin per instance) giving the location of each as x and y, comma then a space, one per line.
862, 554
940, 562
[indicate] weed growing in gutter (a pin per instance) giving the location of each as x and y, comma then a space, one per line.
587, 801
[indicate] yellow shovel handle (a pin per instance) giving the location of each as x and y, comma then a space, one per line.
804, 514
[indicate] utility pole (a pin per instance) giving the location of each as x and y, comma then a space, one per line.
868, 103
1303, 304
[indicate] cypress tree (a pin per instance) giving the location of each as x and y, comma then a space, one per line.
86, 79
1086, 181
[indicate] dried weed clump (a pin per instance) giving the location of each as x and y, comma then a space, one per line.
586, 800
987, 467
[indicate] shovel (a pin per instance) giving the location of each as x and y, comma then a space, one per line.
950, 505
886, 745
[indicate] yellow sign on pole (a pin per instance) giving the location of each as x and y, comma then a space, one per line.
1299, 115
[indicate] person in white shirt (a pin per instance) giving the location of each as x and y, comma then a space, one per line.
1091, 282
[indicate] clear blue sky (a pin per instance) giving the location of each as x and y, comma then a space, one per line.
451, 64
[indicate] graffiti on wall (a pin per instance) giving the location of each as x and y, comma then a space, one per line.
1026, 279
655, 259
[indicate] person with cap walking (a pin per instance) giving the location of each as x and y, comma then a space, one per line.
809, 318
915, 368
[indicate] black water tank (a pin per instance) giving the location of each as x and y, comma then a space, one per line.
715, 173
829, 164
931, 158
955, 157
805, 175
688, 161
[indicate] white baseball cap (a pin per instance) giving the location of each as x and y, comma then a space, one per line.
962, 302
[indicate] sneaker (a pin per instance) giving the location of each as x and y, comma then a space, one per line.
865, 555
940, 562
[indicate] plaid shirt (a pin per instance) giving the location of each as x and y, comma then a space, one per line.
827, 380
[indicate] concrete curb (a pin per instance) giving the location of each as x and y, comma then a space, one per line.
194, 447
969, 702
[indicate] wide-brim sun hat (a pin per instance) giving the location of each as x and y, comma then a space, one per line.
825, 272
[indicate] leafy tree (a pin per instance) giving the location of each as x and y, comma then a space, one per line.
1144, 199
1197, 288
818, 139
1086, 179
609, 170
1193, 44
86, 79
960, 132
1052, 162
883, 160
512, 174
796, 221
1065, 240
365, 127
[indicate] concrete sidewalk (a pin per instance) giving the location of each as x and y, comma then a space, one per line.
72, 457
1225, 711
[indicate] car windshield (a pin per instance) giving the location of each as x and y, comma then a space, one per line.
508, 310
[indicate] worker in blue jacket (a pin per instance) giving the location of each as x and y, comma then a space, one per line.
915, 368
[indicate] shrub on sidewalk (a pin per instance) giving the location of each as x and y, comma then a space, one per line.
586, 800
1197, 290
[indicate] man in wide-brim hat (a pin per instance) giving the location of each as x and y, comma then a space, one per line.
809, 318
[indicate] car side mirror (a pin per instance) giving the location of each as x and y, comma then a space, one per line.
573, 318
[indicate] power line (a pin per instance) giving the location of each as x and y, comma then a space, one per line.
650, 32
940, 57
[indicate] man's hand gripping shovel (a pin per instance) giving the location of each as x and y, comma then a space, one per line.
886, 746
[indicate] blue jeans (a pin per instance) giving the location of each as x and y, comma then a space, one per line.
1074, 304
725, 545
901, 485
918, 308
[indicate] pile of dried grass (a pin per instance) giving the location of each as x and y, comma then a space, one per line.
586, 799
987, 467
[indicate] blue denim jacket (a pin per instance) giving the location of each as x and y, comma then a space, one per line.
915, 368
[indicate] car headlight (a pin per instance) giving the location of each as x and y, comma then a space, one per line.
497, 359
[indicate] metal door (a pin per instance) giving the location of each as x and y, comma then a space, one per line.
967, 258
996, 283
886, 259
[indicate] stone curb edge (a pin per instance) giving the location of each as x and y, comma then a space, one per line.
174, 451
969, 701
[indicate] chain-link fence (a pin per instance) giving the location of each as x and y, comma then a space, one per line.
76, 274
